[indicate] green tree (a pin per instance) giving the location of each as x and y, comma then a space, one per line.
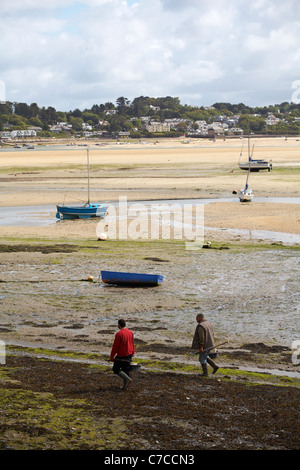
181, 127
94, 118
61, 116
109, 105
34, 110
76, 123
141, 106
34, 121
18, 122
48, 116
252, 123
4, 119
22, 109
122, 105
6, 108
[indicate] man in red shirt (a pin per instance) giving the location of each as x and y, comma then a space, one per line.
121, 353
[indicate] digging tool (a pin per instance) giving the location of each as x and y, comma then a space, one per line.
213, 347
216, 346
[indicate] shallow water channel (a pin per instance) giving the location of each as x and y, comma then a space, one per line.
44, 215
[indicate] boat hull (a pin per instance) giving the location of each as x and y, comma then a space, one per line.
245, 195
80, 212
131, 279
256, 165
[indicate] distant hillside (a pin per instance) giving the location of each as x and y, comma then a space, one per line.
146, 117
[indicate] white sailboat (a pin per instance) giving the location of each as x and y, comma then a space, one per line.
254, 164
246, 194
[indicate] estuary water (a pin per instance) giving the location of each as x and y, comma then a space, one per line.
44, 215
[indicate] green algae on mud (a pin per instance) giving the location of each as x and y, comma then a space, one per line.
40, 421
33, 420
62, 405
98, 362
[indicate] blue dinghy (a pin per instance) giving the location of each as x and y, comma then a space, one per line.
131, 279
81, 212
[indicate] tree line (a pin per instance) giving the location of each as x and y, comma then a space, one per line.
126, 115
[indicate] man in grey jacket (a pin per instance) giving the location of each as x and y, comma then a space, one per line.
204, 341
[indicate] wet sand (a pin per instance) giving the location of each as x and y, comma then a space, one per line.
155, 171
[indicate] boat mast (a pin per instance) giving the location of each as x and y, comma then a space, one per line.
241, 152
249, 161
88, 164
246, 185
249, 156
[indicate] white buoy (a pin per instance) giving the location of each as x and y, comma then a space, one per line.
102, 236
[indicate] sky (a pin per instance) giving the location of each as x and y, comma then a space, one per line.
72, 54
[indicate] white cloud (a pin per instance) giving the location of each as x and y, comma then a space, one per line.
71, 54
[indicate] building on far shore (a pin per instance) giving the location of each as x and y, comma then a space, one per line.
156, 126
18, 134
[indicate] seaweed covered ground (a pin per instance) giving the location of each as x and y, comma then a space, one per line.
61, 404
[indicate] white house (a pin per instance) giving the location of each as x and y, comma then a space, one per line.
155, 126
22, 133
155, 108
87, 127
5, 135
272, 120
201, 124
236, 131
60, 127
110, 112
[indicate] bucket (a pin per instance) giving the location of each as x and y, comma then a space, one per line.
134, 367
213, 354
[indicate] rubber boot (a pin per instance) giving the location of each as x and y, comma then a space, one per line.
213, 365
126, 379
204, 368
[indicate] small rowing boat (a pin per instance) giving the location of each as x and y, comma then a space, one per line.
131, 279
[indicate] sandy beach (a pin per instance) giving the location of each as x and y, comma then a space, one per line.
165, 170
